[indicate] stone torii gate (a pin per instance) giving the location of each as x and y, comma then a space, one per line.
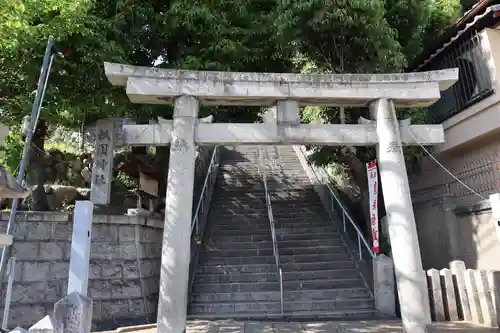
381, 92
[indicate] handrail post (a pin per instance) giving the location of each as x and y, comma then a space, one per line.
262, 170
200, 208
333, 198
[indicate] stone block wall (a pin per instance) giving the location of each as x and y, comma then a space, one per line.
123, 274
448, 231
124, 270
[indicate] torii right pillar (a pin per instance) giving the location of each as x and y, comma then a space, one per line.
410, 278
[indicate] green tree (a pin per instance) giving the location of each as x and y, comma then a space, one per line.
213, 35
357, 36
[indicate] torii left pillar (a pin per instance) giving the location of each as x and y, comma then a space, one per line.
175, 256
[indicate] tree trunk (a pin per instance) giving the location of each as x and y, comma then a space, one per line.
35, 172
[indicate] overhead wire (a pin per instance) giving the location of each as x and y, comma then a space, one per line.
445, 169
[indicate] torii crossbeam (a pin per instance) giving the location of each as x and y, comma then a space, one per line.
381, 92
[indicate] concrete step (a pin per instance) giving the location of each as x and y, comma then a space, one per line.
269, 245
239, 214
330, 283
275, 286
273, 276
237, 223
270, 259
237, 278
217, 233
271, 267
285, 231
354, 314
217, 308
235, 287
280, 232
213, 252
260, 210
275, 306
267, 236
264, 226
318, 294
260, 205
303, 193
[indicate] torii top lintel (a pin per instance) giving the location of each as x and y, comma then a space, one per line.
149, 85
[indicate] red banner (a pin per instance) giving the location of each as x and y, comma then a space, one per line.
373, 195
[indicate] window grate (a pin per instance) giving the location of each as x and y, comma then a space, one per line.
474, 83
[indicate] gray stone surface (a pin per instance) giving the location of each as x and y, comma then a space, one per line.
458, 270
374, 326
329, 91
74, 312
384, 286
449, 294
118, 74
436, 294
123, 274
288, 112
236, 275
175, 254
410, 280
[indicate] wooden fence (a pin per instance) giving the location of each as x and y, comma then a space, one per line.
460, 294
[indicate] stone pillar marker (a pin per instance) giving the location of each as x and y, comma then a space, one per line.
410, 278
172, 302
74, 313
383, 285
102, 168
80, 247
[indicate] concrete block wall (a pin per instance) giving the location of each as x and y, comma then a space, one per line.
123, 274
449, 231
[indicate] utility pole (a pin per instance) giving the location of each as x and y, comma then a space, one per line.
35, 113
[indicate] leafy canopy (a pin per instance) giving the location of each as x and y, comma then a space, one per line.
213, 35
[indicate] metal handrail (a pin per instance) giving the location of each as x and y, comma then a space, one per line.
209, 182
262, 170
345, 214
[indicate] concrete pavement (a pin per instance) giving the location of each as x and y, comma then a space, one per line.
229, 326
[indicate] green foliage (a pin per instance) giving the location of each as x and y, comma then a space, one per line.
74, 80
342, 36
125, 182
358, 36
214, 35
11, 151
444, 13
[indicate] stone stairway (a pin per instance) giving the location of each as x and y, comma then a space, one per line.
237, 277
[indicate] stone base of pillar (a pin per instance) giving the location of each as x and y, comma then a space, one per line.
72, 314
384, 286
